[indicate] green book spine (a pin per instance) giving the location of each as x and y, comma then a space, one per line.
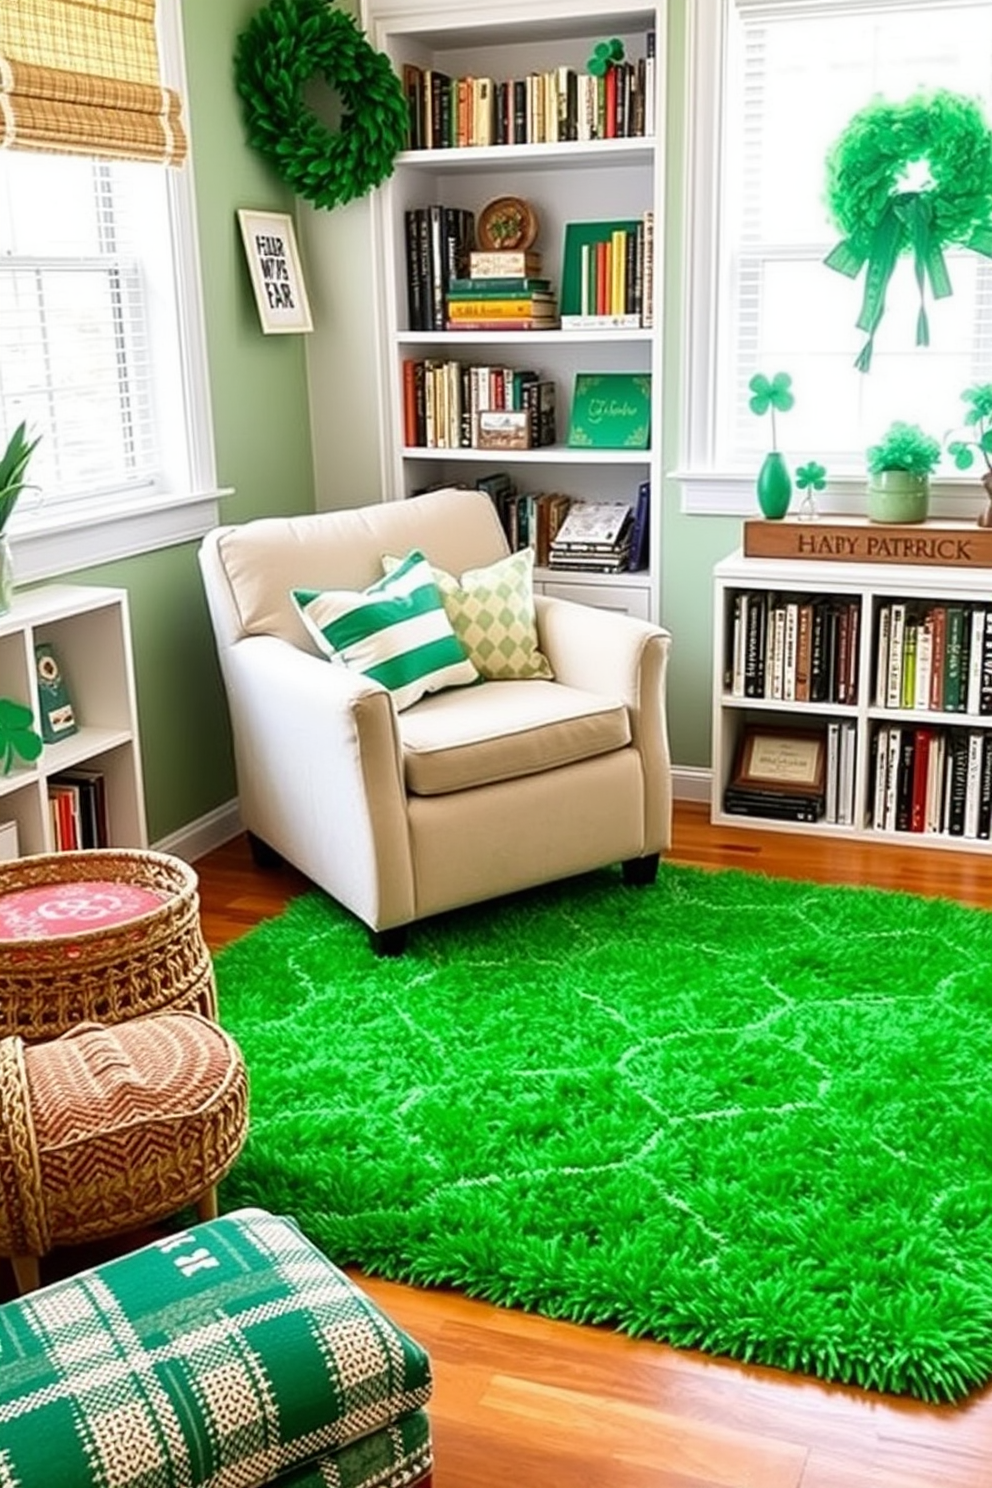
954, 660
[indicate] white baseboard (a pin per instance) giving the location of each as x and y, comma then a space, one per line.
689, 783
202, 836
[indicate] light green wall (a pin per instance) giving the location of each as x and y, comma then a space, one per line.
262, 436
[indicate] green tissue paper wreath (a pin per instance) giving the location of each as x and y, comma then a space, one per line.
941, 134
287, 43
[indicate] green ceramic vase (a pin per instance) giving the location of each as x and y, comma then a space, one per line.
774, 486
898, 496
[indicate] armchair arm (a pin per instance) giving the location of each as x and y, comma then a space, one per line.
601, 651
320, 774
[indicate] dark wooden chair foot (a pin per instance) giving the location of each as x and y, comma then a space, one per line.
391, 942
262, 855
638, 873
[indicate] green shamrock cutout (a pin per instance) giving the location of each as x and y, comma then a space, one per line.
769, 395
606, 55
17, 736
812, 476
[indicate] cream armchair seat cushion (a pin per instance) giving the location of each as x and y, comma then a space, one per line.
467, 794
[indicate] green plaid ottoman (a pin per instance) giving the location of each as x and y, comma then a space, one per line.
231, 1355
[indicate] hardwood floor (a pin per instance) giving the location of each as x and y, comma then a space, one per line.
539, 1404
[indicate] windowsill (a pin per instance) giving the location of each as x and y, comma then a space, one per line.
712, 493
47, 544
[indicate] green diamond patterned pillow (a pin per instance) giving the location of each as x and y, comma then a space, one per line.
492, 613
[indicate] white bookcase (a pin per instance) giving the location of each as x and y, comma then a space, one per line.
89, 631
871, 590
567, 181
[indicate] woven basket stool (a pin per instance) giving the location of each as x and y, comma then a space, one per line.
107, 1129
230, 1355
99, 936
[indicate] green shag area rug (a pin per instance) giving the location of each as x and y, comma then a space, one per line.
734, 1113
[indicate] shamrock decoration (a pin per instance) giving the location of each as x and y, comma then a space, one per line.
17, 737
606, 55
809, 478
771, 395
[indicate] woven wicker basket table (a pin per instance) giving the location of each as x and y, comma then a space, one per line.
100, 936
107, 1129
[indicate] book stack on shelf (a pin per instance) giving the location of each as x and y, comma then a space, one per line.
503, 291
437, 242
934, 657
456, 405
77, 802
932, 780
780, 774
559, 104
794, 647
607, 274
595, 537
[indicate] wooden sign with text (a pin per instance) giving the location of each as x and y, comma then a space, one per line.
938, 544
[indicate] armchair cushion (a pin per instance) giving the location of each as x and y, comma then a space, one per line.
396, 632
492, 612
504, 731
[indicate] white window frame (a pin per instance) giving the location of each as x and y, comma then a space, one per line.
47, 542
706, 489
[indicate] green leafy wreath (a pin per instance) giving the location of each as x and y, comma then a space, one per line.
283, 46
943, 135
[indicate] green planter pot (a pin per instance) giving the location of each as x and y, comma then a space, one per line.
898, 496
774, 487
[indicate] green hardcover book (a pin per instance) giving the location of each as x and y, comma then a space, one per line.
954, 661
611, 410
496, 289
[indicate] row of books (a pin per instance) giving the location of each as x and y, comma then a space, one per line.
77, 802
559, 104
455, 405
792, 647
607, 270
438, 242
568, 533
932, 780
934, 657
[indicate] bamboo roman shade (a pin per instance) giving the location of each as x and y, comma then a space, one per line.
81, 77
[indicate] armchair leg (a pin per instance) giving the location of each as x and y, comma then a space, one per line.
262, 855
391, 942
640, 873
26, 1273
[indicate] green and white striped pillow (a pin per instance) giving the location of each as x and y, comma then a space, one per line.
397, 632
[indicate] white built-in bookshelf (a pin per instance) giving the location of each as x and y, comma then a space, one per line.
890, 665
565, 181
88, 631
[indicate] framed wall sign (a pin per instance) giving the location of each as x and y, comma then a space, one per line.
276, 274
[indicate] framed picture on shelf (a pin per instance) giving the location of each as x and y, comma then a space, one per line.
275, 270
783, 760
611, 410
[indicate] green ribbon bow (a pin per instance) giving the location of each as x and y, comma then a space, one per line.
906, 222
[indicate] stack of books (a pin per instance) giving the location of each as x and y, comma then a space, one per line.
504, 291
594, 538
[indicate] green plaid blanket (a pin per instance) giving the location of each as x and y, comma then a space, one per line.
231, 1355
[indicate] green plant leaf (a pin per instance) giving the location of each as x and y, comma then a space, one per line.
961, 454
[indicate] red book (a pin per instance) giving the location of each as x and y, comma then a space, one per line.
611, 102
602, 277
937, 620
409, 402
921, 763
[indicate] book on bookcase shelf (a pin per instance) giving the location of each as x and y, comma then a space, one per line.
611, 410
444, 403
558, 105
85, 790
934, 657
793, 647
932, 779
606, 274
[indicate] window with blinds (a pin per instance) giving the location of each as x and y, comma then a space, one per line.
793, 73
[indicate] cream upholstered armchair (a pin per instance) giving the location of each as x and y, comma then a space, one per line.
473, 791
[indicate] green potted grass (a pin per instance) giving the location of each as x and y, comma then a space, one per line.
13, 467
899, 470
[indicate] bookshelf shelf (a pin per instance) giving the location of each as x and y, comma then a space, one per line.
575, 180
89, 631
920, 772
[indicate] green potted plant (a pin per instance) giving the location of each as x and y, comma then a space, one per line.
978, 429
899, 470
13, 466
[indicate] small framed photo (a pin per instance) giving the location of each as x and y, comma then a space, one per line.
792, 760
276, 274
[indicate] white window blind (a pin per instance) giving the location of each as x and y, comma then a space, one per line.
783, 78
102, 353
